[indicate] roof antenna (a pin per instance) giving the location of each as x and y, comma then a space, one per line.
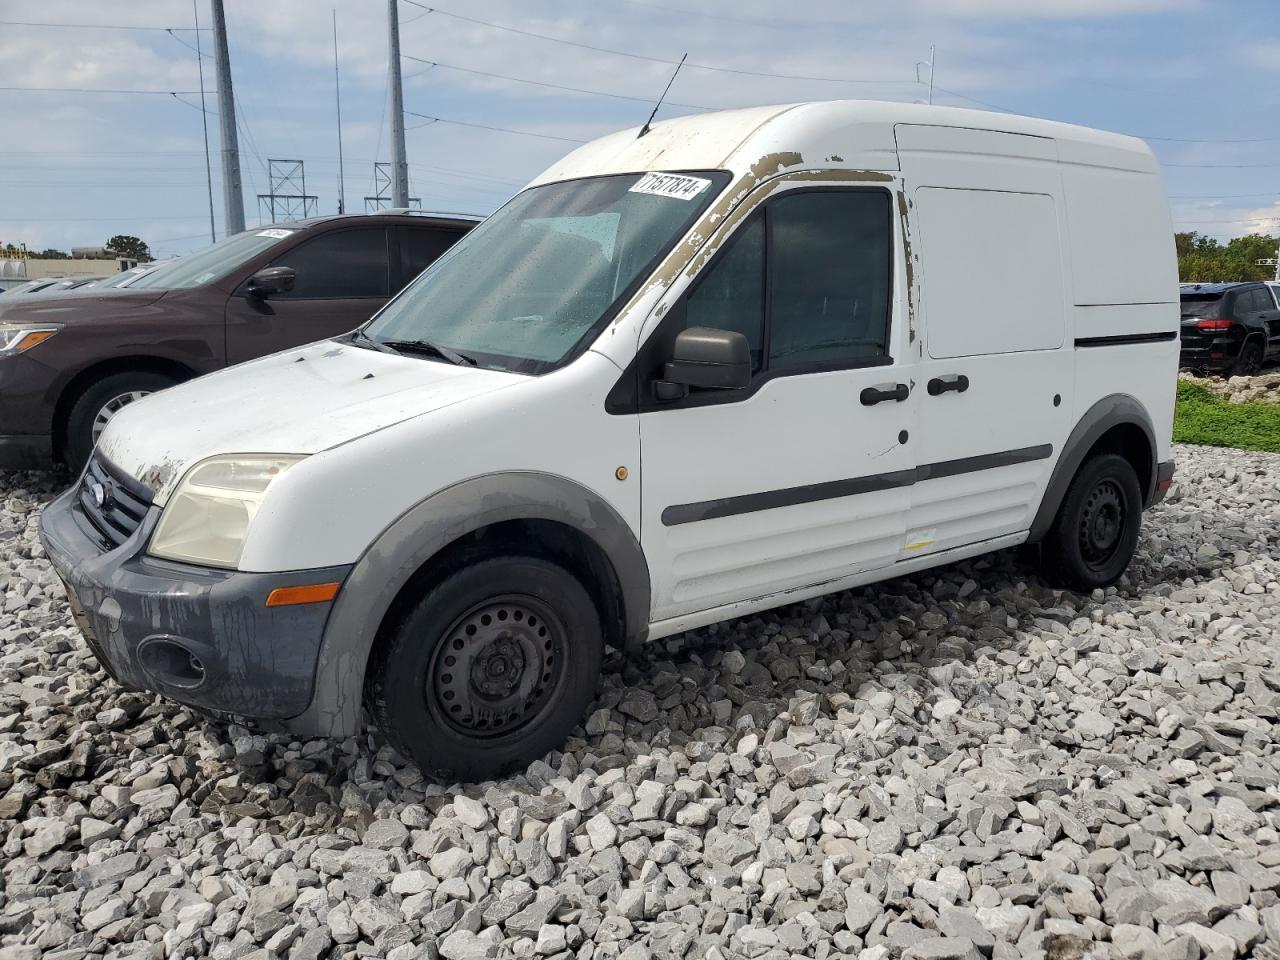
645, 128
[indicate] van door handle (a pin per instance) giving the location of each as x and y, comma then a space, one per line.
885, 391
940, 385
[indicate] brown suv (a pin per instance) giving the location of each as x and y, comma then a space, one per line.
67, 363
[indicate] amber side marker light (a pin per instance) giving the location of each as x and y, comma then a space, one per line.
311, 593
33, 338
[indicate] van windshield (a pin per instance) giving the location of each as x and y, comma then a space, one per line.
211, 263
526, 289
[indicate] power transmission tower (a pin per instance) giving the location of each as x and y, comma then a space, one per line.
399, 160
233, 201
381, 199
288, 199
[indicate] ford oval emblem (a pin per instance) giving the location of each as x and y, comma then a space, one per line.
99, 493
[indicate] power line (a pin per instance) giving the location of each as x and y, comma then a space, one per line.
1217, 196
160, 93
638, 56
96, 26
543, 83
481, 126
1223, 166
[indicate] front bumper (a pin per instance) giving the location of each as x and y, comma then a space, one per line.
135, 611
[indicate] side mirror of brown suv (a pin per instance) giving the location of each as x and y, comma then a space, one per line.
271, 280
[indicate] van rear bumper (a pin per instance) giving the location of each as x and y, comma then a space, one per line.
1164, 479
201, 636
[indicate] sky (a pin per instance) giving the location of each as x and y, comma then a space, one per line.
1198, 79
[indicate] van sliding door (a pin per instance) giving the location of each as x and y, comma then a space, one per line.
996, 371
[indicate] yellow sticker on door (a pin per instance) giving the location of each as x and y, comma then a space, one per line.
918, 540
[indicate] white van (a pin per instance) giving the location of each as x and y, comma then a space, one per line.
740, 360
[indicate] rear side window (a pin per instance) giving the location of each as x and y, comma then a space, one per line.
1204, 305
343, 265
421, 247
1260, 299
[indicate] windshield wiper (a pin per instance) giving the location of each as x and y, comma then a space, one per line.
359, 337
429, 349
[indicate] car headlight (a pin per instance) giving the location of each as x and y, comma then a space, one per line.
207, 518
15, 338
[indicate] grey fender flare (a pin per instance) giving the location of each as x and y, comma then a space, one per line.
1111, 411
418, 535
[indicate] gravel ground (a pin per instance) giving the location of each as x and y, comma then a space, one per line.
957, 764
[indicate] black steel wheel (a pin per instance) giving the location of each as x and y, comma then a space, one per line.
499, 664
1096, 531
489, 670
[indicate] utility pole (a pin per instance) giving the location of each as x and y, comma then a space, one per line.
204, 120
337, 100
233, 202
399, 162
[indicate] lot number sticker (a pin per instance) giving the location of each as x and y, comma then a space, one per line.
672, 185
276, 234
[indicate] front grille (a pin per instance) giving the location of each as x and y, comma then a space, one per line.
118, 512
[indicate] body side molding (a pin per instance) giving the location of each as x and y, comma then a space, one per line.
793, 496
419, 534
1111, 411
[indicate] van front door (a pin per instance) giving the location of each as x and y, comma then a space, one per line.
995, 380
801, 478
341, 279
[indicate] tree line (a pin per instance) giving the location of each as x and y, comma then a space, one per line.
1202, 259
121, 244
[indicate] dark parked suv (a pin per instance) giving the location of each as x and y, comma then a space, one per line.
1228, 327
67, 363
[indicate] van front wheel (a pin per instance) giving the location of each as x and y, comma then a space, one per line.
491, 669
1096, 531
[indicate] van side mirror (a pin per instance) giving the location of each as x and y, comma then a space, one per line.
705, 357
271, 280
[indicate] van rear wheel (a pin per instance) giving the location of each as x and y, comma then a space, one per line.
1096, 531
491, 669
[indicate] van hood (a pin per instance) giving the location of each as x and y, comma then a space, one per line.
301, 401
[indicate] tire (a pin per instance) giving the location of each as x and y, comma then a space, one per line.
113, 391
1096, 531
1250, 360
462, 695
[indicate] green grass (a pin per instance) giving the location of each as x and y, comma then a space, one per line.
1204, 417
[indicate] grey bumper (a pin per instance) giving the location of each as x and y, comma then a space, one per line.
254, 661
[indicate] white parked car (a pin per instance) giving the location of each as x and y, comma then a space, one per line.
739, 360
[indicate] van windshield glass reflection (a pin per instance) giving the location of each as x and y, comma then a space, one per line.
529, 286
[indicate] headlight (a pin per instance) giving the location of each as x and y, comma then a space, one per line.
208, 516
15, 338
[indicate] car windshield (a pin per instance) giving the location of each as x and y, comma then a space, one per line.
1200, 305
528, 287
211, 263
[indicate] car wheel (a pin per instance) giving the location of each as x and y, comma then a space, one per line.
1096, 530
101, 401
491, 669
1250, 360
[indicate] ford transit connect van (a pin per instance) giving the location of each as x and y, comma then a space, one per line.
739, 360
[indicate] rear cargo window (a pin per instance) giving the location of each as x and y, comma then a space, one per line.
1200, 305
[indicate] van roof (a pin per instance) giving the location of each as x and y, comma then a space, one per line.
837, 134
